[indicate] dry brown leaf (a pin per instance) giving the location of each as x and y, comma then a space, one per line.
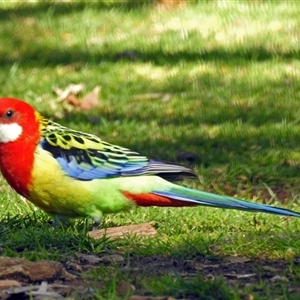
124, 288
5, 284
74, 89
73, 100
91, 100
21, 269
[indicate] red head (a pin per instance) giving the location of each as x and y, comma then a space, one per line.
18, 120
19, 136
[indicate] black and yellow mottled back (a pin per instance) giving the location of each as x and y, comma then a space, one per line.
86, 157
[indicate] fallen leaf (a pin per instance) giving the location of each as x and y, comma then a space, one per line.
124, 288
21, 269
91, 100
58, 91
5, 284
73, 100
74, 89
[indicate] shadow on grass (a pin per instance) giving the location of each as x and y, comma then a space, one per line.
37, 55
259, 116
26, 9
47, 56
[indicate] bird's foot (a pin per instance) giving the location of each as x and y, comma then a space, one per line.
59, 221
96, 225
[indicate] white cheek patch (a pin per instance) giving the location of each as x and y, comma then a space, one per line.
10, 132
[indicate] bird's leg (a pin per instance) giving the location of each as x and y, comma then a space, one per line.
96, 225
97, 217
59, 220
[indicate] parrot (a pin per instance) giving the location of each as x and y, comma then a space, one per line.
70, 174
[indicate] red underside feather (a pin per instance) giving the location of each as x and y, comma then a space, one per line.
155, 200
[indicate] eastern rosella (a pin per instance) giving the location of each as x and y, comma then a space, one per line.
69, 173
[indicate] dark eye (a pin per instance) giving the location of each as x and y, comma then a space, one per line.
9, 113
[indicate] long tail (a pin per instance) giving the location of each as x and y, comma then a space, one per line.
181, 196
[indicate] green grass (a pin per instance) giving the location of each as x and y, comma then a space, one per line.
232, 70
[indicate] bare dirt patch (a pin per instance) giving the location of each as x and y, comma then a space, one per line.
237, 272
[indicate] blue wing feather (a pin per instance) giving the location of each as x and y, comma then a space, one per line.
85, 171
86, 157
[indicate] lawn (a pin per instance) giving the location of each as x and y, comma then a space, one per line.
212, 84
